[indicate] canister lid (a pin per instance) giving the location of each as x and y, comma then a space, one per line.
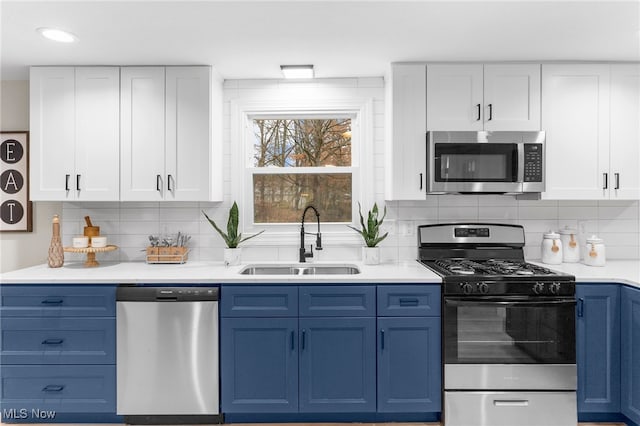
568, 231
551, 235
594, 240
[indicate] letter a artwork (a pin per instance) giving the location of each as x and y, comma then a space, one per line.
15, 207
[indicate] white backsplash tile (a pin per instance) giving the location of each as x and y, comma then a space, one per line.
128, 224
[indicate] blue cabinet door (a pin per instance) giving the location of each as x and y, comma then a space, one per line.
259, 301
631, 353
597, 348
337, 365
409, 368
58, 300
259, 365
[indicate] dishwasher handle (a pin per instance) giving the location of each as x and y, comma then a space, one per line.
127, 293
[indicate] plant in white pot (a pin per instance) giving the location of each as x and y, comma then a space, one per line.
370, 233
231, 237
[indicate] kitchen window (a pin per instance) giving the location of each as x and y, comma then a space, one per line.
304, 155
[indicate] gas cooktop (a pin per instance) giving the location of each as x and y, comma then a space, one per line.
488, 267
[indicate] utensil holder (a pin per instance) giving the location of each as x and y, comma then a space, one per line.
167, 254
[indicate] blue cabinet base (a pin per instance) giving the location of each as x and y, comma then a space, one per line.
605, 418
30, 417
330, 417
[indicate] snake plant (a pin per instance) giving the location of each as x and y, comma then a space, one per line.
231, 237
371, 230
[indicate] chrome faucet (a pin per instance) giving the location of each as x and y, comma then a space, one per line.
303, 253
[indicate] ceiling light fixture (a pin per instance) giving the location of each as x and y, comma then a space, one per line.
56, 34
297, 71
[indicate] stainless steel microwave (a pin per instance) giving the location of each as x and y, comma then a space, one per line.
485, 162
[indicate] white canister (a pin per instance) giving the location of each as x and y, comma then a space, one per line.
551, 248
594, 252
570, 245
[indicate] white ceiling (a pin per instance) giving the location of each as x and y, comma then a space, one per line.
251, 39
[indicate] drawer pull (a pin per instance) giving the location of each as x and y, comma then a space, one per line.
408, 302
511, 403
52, 341
52, 302
53, 388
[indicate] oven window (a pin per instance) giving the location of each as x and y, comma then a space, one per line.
476, 162
479, 332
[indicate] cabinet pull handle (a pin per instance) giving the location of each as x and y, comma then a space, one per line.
292, 337
52, 302
52, 341
408, 302
617, 176
53, 388
490, 112
77, 182
420, 181
66, 182
382, 339
158, 183
605, 180
580, 307
302, 343
479, 107
169, 182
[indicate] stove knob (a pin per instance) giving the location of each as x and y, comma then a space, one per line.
466, 288
555, 288
538, 288
483, 288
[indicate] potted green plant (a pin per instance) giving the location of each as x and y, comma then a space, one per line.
232, 238
370, 232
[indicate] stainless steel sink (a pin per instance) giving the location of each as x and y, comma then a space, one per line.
300, 270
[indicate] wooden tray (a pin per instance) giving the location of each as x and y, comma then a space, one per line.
91, 253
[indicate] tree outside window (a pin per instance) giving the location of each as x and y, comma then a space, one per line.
302, 161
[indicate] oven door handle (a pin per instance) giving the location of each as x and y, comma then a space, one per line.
493, 302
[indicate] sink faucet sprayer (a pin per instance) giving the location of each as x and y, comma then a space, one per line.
303, 253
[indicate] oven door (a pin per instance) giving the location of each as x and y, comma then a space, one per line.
509, 343
475, 167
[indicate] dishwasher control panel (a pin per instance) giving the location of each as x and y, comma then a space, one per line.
166, 294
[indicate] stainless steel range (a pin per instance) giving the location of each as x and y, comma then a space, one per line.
508, 329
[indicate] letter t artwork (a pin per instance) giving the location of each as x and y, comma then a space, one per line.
15, 207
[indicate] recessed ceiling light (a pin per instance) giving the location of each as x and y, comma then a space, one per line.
297, 71
56, 34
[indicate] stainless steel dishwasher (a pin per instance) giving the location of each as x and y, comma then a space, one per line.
167, 355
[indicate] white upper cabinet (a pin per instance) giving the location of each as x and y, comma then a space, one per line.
166, 134
74, 123
591, 115
624, 152
406, 133
483, 97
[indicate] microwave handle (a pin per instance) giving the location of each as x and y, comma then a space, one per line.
520, 170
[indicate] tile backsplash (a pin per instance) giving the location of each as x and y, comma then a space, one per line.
128, 225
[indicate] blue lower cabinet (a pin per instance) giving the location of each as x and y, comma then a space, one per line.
631, 353
597, 348
57, 389
259, 365
66, 340
409, 370
337, 365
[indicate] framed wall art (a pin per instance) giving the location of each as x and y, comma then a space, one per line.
15, 208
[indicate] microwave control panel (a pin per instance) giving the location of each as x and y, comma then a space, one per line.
533, 162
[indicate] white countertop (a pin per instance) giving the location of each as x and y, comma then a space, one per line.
620, 271
210, 273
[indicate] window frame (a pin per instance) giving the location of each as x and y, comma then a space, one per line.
242, 115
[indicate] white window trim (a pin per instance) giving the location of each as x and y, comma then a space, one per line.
361, 112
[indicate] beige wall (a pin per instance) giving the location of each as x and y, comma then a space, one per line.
22, 249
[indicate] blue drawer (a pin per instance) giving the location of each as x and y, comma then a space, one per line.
338, 301
61, 388
409, 300
78, 300
259, 301
65, 340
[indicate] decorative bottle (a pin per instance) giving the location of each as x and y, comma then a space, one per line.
56, 253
